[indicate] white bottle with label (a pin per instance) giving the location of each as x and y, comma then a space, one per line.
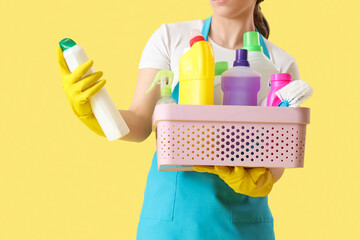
259, 63
105, 111
220, 67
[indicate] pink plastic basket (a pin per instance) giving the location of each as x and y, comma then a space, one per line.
229, 135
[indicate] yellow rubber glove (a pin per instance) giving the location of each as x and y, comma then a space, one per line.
254, 182
78, 91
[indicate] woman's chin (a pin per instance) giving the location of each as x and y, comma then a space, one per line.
232, 8
225, 11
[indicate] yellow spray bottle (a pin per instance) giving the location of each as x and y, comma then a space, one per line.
197, 73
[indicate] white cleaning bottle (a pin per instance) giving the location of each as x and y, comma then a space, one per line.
260, 63
105, 111
220, 67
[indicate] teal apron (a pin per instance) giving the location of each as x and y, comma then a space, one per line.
200, 206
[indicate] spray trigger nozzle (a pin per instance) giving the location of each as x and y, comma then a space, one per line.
165, 79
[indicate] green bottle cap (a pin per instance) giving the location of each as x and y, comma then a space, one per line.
251, 42
165, 79
66, 43
221, 67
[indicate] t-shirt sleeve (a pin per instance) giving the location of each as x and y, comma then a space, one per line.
156, 52
283, 61
293, 69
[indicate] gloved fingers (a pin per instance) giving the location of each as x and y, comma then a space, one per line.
88, 81
93, 89
209, 169
223, 170
241, 180
64, 70
256, 173
238, 170
246, 185
235, 178
264, 185
80, 71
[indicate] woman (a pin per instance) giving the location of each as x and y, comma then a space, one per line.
192, 205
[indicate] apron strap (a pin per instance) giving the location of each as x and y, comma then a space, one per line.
206, 28
175, 93
263, 45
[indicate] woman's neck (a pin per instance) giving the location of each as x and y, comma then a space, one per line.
228, 32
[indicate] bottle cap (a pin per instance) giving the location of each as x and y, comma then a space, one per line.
165, 79
196, 39
241, 58
281, 77
195, 36
221, 67
251, 42
66, 43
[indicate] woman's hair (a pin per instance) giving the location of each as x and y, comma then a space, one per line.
260, 22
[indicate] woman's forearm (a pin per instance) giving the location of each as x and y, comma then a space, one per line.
140, 127
139, 116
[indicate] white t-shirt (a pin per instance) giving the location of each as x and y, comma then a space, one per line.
167, 44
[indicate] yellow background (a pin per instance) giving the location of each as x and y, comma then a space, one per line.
58, 180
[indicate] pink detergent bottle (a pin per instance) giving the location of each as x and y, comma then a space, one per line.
278, 81
240, 83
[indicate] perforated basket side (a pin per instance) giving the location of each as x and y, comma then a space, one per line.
232, 144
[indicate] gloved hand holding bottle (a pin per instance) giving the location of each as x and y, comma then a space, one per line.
254, 182
106, 113
78, 91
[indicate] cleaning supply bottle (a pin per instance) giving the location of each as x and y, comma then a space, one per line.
220, 67
260, 63
196, 73
240, 83
278, 81
105, 111
165, 79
